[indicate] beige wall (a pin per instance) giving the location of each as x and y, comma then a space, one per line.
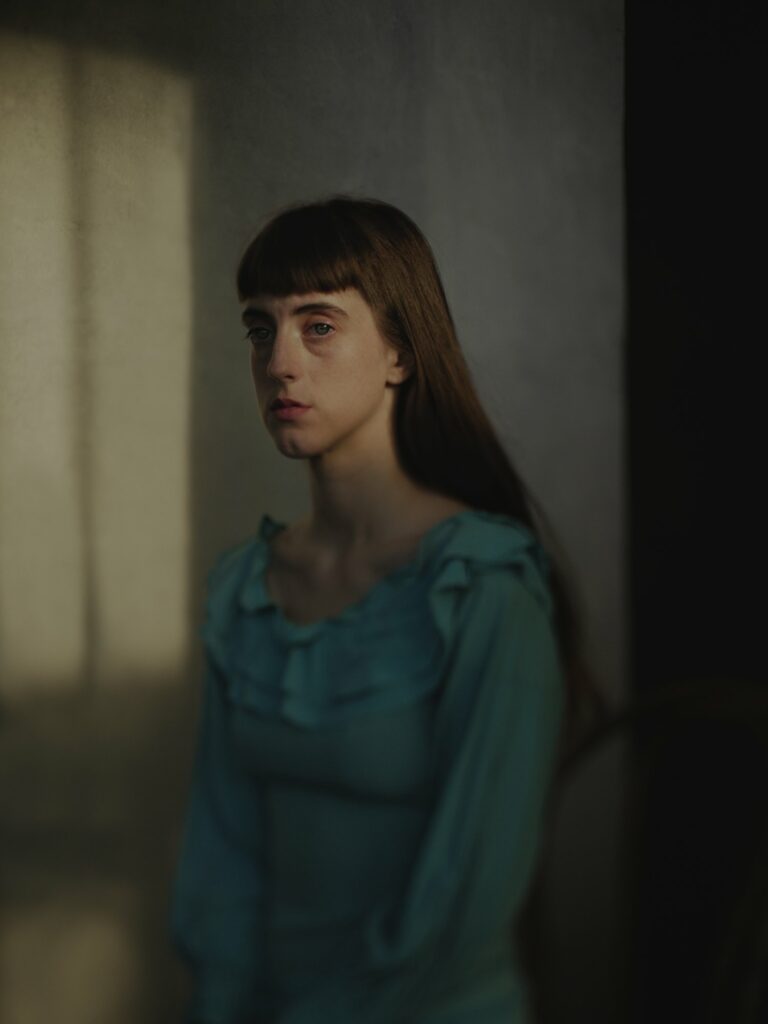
141, 145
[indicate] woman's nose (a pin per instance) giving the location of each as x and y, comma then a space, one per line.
285, 355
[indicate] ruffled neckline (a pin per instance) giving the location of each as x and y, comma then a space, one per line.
255, 596
418, 614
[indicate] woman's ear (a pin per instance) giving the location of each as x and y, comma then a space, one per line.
402, 365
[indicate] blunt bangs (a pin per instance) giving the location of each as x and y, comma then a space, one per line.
311, 248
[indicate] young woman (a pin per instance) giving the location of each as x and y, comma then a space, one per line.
388, 680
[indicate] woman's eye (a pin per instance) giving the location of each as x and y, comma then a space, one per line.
323, 334
263, 333
253, 333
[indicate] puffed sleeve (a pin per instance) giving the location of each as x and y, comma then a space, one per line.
498, 725
216, 920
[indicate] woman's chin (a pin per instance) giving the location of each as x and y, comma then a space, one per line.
292, 447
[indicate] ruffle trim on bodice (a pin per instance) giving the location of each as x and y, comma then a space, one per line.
386, 650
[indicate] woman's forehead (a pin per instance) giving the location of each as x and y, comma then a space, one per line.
297, 301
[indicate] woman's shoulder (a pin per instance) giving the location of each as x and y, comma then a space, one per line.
488, 549
449, 528
452, 543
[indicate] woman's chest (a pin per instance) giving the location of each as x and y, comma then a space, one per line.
354, 696
387, 756
304, 599
305, 594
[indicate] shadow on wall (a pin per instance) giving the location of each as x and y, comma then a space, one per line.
89, 838
94, 528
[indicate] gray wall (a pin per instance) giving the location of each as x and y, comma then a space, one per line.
148, 141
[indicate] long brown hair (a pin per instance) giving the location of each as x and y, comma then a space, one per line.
444, 438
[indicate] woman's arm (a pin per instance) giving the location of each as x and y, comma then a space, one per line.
217, 896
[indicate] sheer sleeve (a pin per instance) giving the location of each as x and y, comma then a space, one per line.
498, 726
217, 898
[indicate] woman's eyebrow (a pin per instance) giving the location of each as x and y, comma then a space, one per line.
253, 313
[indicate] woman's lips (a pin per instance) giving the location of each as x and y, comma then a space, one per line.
290, 412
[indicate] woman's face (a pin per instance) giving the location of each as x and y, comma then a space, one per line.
322, 349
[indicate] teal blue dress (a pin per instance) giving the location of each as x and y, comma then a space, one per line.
367, 796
